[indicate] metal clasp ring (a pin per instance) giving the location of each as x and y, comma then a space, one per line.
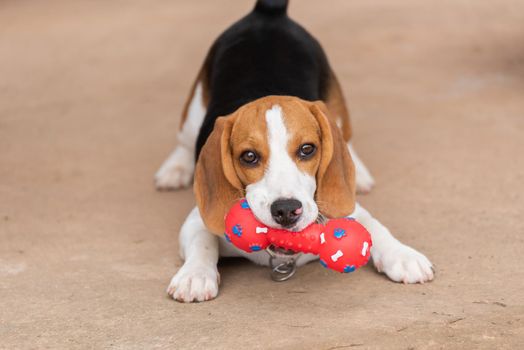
282, 271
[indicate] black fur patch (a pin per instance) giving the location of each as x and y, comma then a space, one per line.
264, 53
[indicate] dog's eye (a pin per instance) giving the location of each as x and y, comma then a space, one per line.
249, 158
306, 151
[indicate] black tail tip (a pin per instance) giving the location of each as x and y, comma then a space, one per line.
271, 6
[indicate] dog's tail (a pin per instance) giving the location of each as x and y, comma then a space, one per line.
273, 7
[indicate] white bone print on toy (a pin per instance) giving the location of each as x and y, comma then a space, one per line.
365, 247
337, 255
322, 238
261, 230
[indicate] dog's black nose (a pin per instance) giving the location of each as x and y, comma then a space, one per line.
286, 212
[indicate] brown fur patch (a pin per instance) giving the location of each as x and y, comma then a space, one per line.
250, 134
336, 189
336, 104
216, 186
302, 128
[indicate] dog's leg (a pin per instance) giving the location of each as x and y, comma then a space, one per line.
398, 261
364, 180
198, 278
177, 170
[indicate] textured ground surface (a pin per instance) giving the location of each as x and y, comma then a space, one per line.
90, 97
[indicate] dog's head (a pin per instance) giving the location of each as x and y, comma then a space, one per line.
285, 155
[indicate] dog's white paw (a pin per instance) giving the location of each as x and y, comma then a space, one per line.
404, 264
194, 283
177, 170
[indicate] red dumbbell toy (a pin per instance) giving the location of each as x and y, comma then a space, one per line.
342, 244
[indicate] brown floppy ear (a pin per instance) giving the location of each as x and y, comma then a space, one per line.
335, 194
216, 184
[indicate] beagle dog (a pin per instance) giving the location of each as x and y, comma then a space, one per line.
266, 120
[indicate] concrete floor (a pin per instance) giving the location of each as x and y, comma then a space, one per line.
90, 98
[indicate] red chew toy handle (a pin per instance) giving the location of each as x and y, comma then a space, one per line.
342, 244
305, 241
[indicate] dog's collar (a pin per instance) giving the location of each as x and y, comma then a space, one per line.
282, 262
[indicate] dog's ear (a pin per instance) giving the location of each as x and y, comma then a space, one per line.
335, 193
216, 184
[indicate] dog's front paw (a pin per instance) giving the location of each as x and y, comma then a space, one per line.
177, 170
194, 283
404, 264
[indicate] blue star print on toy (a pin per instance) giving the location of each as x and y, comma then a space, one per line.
237, 230
349, 268
323, 263
227, 237
339, 233
244, 204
